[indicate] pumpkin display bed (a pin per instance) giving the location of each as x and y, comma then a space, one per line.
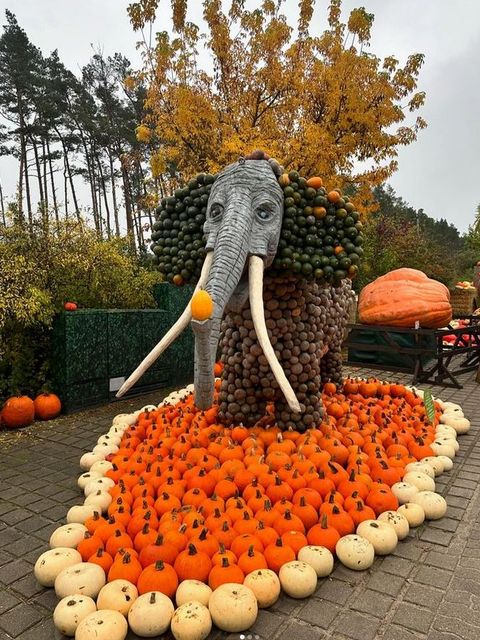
194, 513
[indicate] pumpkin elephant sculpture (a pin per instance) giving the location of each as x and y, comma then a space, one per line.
276, 258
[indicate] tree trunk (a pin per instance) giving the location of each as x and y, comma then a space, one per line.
27, 185
114, 193
45, 184
1, 204
52, 183
65, 186
128, 205
39, 175
69, 172
105, 199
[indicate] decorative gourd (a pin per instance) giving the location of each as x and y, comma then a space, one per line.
18, 411
404, 491
100, 500
68, 535
102, 483
435, 463
433, 504
87, 477
320, 558
233, 607
118, 595
298, 579
52, 562
70, 611
447, 462
422, 481
265, 585
201, 305
460, 424
355, 552
447, 439
85, 578
443, 449
101, 467
191, 621
189, 590
380, 534
397, 521
102, 625
420, 467
404, 296
47, 406
80, 513
414, 513
150, 614
88, 459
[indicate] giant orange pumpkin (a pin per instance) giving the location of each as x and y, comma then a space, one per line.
18, 411
403, 296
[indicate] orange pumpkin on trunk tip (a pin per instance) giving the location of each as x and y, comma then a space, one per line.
18, 411
47, 406
201, 305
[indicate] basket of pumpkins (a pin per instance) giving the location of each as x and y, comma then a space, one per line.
462, 298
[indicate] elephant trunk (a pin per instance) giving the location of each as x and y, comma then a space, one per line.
229, 259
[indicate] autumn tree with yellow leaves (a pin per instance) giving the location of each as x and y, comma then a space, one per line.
322, 104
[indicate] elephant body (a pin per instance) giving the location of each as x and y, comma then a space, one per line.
302, 318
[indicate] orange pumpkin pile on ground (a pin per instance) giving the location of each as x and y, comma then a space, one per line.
193, 499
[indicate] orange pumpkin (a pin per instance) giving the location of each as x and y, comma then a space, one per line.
404, 296
18, 411
47, 406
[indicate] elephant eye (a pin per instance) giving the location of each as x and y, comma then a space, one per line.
264, 212
216, 210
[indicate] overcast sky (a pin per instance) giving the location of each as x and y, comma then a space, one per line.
439, 172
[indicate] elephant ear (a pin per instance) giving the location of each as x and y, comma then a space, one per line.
178, 241
321, 234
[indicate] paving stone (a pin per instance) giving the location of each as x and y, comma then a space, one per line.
335, 591
456, 501
386, 583
395, 632
32, 524
43, 631
397, 566
297, 631
446, 524
46, 599
437, 536
425, 596
413, 617
15, 516
460, 492
442, 560
15, 621
24, 545
356, 626
408, 550
319, 612
460, 628
14, 570
27, 586
8, 600
372, 602
267, 624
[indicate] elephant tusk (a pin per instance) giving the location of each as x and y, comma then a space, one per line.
255, 278
171, 335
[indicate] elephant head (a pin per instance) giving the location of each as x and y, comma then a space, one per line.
243, 224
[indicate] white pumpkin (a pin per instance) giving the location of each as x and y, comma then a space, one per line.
233, 607
397, 521
421, 480
265, 585
103, 483
447, 462
102, 625
380, 534
355, 552
442, 449
104, 449
70, 611
117, 429
435, 463
461, 425
100, 500
85, 578
420, 467
88, 459
298, 579
320, 558
434, 505
189, 590
414, 513
404, 491
118, 595
68, 535
148, 407
87, 477
101, 467
81, 512
446, 430
150, 614
451, 406
452, 442
108, 438
191, 621
125, 418
50, 563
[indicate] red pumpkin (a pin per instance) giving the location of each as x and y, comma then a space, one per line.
18, 411
70, 306
47, 406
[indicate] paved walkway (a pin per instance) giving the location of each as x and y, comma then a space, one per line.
429, 589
